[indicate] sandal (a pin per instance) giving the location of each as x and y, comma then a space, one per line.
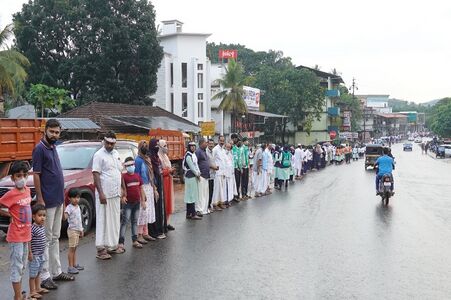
142, 241
64, 277
35, 295
103, 255
120, 250
137, 245
149, 238
43, 291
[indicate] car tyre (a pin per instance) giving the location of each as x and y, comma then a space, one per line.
86, 214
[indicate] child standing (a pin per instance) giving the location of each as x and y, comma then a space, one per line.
134, 196
36, 251
72, 213
18, 201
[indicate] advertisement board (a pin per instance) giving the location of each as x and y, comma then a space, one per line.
251, 97
226, 54
347, 119
207, 128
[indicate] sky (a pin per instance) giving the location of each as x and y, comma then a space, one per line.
401, 48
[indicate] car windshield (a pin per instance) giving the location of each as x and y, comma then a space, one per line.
74, 157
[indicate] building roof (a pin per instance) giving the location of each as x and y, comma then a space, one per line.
375, 95
148, 123
184, 34
335, 78
102, 112
265, 114
391, 116
78, 124
172, 21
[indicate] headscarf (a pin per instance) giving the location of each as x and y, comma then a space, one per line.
163, 154
146, 160
153, 154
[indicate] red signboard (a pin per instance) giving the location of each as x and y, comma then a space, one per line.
226, 54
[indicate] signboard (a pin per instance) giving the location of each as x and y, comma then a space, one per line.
252, 134
226, 54
349, 135
207, 128
252, 97
347, 118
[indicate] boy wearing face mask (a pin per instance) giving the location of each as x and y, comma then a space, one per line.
131, 201
18, 202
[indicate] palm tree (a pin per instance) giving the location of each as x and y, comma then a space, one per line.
12, 65
231, 96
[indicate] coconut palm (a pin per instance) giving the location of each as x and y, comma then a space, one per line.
231, 96
12, 65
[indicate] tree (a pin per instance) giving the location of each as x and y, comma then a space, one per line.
440, 119
43, 96
104, 50
13, 66
348, 102
232, 94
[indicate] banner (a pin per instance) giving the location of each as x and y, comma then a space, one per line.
347, 118
226, 54
207, 128
252, 97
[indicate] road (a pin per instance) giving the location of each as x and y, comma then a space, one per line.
327, 237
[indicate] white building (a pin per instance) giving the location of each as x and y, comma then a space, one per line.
379, 103
184, 75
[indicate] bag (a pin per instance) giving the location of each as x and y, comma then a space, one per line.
286, 160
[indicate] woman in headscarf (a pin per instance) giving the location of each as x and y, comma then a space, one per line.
160, 215
168, 187
143, 167
192, 176
277, 157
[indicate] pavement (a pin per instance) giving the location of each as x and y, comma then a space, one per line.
327, 237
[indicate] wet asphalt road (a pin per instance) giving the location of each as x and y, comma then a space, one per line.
327, 237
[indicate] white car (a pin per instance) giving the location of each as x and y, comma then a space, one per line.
418, 140
410, 139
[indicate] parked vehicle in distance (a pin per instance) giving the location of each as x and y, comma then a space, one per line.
411, 139
372, 153
444, 151
418, 140
407, 147
76, 161
440, 151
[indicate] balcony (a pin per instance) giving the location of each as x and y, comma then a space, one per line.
332, 93
333, 111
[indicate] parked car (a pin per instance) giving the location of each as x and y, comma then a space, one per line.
76, 161
411, 139
443, 151
407, 147
418, 140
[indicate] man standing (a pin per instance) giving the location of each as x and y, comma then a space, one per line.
230, 183
106, 169
213, 169
245, 168
219, 191
49, 183
237, 165
298, 157
204, 167
258, 171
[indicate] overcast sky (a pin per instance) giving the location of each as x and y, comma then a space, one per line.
401, 48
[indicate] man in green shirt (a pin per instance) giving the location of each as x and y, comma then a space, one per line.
237, 164
245, 169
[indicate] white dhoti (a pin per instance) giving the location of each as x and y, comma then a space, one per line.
230, 186
219, 192
260, 182
202, 202
148, 215
108, 222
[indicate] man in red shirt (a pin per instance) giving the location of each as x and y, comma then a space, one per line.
18, 202
134, 197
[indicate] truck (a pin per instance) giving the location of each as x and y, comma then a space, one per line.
17, 140
176, 141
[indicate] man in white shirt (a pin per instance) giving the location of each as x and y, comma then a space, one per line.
219, 189
106, 169
298, 157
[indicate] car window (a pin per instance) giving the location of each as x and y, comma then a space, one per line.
125, 152
73, 157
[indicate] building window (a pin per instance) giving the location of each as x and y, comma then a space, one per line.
184, 105
200, 80
172, 102
200, 96
200, 67
172, 74
200, 109
184, 75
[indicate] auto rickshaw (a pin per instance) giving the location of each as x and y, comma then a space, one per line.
372, 153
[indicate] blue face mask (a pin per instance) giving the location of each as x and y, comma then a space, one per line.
131, 169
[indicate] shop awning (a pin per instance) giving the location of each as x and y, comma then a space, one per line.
265, 114
156, 122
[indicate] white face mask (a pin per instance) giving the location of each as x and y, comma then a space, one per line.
20, 183
130, 169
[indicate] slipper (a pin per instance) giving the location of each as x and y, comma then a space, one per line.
119, 250
103, 256
43, 291
137, 245
36, 296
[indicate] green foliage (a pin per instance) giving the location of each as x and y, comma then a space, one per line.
440, 118
13, 66
43, 96
104, 50
401, 105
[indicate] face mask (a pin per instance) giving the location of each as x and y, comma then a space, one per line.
20, 183
164, 149
131, 169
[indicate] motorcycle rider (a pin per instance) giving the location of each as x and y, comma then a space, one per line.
385, 165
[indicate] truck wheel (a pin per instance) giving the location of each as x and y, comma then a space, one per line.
86, 214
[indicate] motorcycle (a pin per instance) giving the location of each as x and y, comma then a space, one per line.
385, 188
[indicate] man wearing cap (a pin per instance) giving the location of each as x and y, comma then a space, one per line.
298, 158
106, 169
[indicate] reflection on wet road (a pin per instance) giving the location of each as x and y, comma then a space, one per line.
327, 237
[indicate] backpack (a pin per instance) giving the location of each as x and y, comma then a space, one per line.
286, 159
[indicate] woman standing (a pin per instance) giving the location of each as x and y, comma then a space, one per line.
192, 176
168, 181
143, 167
277, 156
160, 215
